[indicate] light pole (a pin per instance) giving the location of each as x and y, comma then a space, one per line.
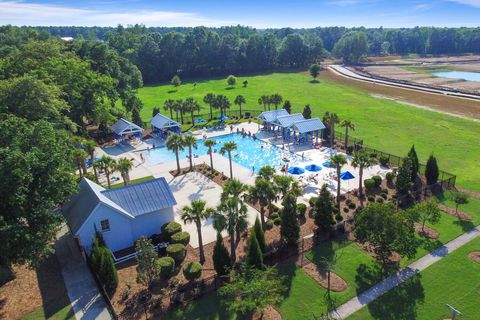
303, 245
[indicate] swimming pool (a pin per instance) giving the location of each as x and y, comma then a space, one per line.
250, 153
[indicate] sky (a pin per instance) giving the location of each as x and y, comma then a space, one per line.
256, 13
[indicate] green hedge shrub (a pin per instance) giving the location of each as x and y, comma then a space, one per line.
380, 200
345, 209
181, 237
176, 251
371, 198
338, 217
369, 184
192, 270
167, 267
277, 221
384, 195
274, 216
390, 176
301, 209
170, 228
378, 180
383, 160
269, 224
352, 205
275, 208
312, 201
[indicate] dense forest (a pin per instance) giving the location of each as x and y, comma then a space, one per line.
161, 52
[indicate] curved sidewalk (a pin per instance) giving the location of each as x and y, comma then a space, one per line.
403, 275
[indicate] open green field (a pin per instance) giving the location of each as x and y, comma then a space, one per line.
383, 124
454, 280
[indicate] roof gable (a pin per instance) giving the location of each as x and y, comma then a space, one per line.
123, 126
308, 125
288, 121
160, 121
271, 116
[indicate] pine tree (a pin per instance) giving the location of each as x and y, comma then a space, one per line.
108, 272
221, 258
289, 228
147, 269
254, 253
412, 154
136, 118
260, 234
287, 106
431, 170
323, 210
307, 112
404, 176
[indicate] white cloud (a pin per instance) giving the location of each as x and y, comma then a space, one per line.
472, 3
33, 14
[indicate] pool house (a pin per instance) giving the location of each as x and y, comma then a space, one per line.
307, 130
285, 123
162, 125
124, 129
268, 118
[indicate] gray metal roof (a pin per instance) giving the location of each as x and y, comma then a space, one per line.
144, 197
271, 116
123, 126
288, 121
308, 125
160, 121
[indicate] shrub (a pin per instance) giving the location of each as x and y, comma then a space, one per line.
373, 155
338, 217
348, 201
269, 224
274, 216
312, 201
176, 251
390, 176
181, 237
352, 205
167, 266
371, 198
384, 195
171, 228
350, 149
378, 180
369, 184
192, 270
301, 209
383, 160
277, 221
275, 208
380, 200
335, 210
345, 209
385, 190
221, 258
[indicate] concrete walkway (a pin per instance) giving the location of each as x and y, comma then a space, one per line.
403, 275
84, 295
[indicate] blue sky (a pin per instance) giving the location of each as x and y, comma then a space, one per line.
259, 13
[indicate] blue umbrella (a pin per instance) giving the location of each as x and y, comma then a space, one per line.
296, 170
313, 167
200, 120
346, 175
222, 118
327, 164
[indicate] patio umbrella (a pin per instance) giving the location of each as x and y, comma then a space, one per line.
313, 167
200, 120
222, 118
347, 175
327, 164
296, 170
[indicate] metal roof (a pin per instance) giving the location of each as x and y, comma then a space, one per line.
123, 126
141, 198
287, 121
308, 125
160, 121
271, 116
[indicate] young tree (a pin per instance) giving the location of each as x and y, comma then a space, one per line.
431, 170
260, 234
136, 118
404, 177
412, 154
196, 213
339, 161
386, 230
459, 198
323, 210
245, 83
228, 148
192, 271
331, 119
239, 101
156, 110
263, 193
221, 259
347, 124
287, 106
267, 172
231, 80
427, 212
147, 270
307, 112
124, 165
190, 141
315, 70
209, 143
362, 160
252, 290
175, 143
254, 256
289, 228
210, 100
287, 185
276, 99
176, 81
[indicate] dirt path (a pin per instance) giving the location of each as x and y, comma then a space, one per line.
463, 108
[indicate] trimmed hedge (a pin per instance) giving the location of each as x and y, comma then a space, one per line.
369, 183
192, 270
383, 160
274, 216
352, 205
181, 237
371, 198
269, 224
345, 209
170, 228
167, 266
312, 201
176, 251
378, 180
277, 221
390, 176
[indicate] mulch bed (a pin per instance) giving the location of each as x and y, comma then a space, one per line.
393, 259
474, 256
270, 313
337, 284
427, 231
460, 214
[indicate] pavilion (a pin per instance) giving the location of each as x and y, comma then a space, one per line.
124, 128
308, 129
161, 125
268, 118
286, 122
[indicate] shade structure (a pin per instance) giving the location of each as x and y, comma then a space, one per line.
347, 175
222, 118
296, 170
313, 167
200, 120
327, 164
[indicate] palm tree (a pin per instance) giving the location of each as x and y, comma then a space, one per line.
263, 193
266, 172
347, 124
263, 100
339, 160
124, 165
210, 100
209, 143
109, 165
196, 213
80, 156
331, 119
228, 147
175, 143
362, 160
222, 102
287, 185
239, 100
191, 142
90, 146
276, 99
169, 105
191, 105
179, 109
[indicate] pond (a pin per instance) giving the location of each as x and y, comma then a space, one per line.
465, 75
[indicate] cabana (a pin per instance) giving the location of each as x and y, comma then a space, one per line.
161, 125
307, 129
286, 122
268, 118
124, 128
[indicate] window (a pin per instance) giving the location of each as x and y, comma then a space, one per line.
105, 225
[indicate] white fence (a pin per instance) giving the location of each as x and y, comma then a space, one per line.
134, 254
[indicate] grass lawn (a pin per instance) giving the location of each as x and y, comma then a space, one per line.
58, 310
118, 185
454, 280
382, 123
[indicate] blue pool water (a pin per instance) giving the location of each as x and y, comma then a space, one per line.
250, 152
471, 76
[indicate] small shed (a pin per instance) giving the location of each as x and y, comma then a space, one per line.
308, 129
162, 125
124, 128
